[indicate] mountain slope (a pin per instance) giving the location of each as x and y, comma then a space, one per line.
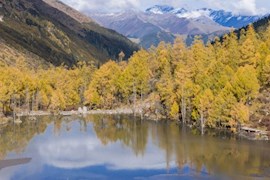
69, 11
260, 25
58, 33
164, 23
184, 26
135, 26
160, 9
227, 19
260, 116
152, 28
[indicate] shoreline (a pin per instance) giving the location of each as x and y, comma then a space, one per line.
123, 111
77, 112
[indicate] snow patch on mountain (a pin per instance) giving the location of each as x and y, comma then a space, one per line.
160, 9
194, 14
224, 18
179, 11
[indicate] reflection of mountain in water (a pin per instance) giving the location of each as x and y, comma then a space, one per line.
13, 162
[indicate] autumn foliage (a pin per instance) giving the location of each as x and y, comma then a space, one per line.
213, 84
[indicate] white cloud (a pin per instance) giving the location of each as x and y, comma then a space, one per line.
72, 150
118, 5
102, 5
70, 153
244, 7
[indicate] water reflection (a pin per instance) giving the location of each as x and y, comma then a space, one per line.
121, 146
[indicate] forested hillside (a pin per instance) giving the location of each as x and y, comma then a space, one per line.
56, 33
219, 84
214, 85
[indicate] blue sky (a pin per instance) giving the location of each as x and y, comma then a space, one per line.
243, 7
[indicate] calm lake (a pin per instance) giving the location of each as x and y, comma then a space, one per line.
121, 147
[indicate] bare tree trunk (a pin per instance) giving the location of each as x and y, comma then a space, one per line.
37, 100
14, 107
183, 109
82, 89
134, 100
3, 108
27, 100
19, 104
32, 103
189, 109
141, 103
202, 123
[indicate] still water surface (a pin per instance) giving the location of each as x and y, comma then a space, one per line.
121, 147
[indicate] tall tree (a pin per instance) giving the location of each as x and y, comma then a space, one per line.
245, 85
203, 102
102, 90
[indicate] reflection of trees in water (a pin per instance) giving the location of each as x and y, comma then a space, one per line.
61, 123
216, 155
130, 132
180, 145
16, 137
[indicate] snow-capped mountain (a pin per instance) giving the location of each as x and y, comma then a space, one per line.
164, 23
160, 9
150, 28
227, 19
135, 26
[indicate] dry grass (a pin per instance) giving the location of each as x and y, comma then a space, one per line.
9, 55
69, 11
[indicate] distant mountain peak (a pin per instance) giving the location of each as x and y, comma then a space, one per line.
160, 9
195, 14
164, 23
222, 17
179, 11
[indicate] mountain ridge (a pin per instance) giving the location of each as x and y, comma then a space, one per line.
59, 36
171, 22
222, 17
69, 11
160, 27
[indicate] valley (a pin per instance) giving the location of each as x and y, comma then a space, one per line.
58, 34
156, 92
151, 80
165, 23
